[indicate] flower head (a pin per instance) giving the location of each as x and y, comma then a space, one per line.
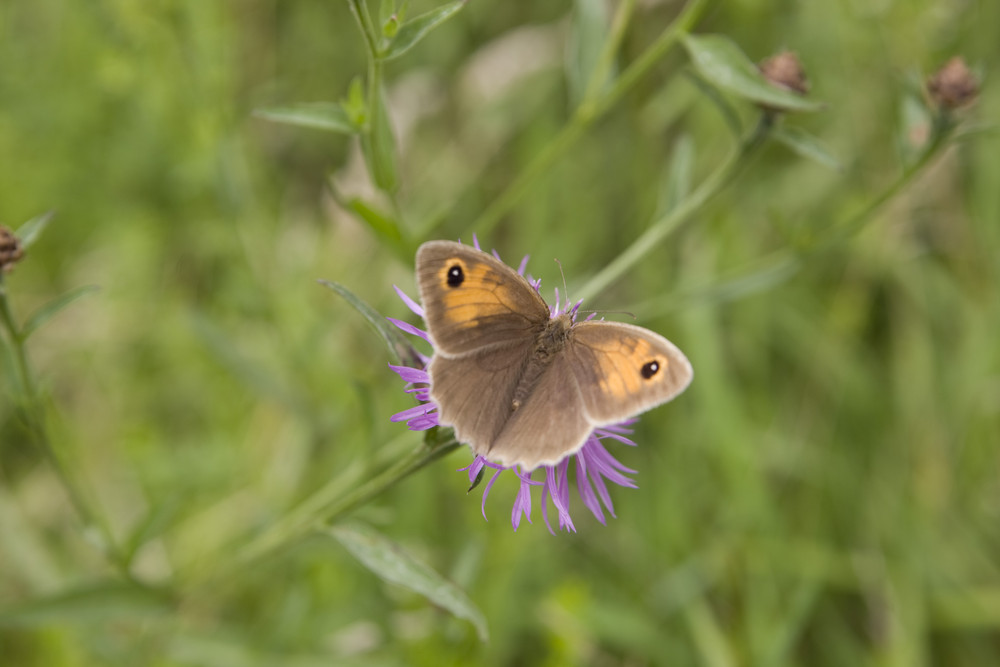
592, 465
953, 86
11, 250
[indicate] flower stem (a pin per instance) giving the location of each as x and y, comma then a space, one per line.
24, 382
782, 264
589, 111
672, 219
34, 416
318, 511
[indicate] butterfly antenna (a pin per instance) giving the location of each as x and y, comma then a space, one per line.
610, 312
565, 289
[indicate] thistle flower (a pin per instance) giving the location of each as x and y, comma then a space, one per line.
593, 466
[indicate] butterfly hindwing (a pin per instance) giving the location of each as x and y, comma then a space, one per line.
622, 369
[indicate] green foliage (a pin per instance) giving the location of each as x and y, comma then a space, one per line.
180, 448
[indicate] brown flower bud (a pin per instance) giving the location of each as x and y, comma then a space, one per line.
953, 85
785, 71
11, 251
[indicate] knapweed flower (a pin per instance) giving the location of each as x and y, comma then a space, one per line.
953, 86
593, 465
11, 250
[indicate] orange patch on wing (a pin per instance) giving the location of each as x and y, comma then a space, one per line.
480, 294
621, 366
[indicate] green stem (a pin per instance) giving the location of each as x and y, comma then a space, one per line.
35, 421
943, 130
585, 116
607, 57
316, 511
24, 382
368, 30
672, 219
787, 261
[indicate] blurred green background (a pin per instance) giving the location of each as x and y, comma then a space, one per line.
827, 492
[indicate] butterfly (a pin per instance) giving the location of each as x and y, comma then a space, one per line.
519, 385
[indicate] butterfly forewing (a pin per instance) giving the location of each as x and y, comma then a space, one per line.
472, 300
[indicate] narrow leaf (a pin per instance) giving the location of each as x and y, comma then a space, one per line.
46, 312
379, 146
414, 30
30, 231
729, 113
722, 62
388, 561
96, 602
317, 115
589, 34
399, 348
386, 10
806, 145
386, 227
677, 185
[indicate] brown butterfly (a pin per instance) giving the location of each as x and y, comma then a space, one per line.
523, 387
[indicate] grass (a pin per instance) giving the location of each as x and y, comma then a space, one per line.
824, 493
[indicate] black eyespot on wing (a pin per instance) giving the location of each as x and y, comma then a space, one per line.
649, 369
455, 276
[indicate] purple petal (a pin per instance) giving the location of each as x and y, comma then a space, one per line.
620, 438
410, 413
560, 494
474, 468
410, 303
545, 507
522, 505
602, 491
486, 491
427, 421
409, 328
524, 265
585, 490
410, 374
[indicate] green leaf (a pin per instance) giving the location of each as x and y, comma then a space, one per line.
729, 113
386, 10
390, 27
414, 30
589, 34
383, 225
355, 105
379, 146
30, 231
806, 145
317, 115
46, 312
388, 561
98, 602
677, 185
399, 348
720, 60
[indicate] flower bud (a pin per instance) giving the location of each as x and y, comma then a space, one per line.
785, 71
11, 251
953, 85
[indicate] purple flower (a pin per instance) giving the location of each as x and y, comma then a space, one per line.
594, 466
